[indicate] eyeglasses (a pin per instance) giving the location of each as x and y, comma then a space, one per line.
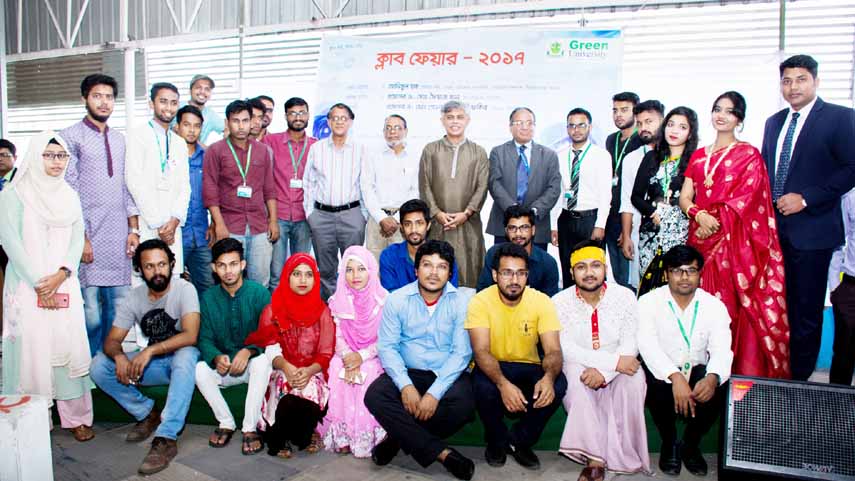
513, 229
54, 155
339, 118
268, 111
394, 128
508, 274
298, 113
520, 123
582, 126
6, 155
681, 271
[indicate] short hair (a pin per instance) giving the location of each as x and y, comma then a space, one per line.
238, 106
516, 211
295, 102
189, 109
439, 247
256, 104
225, 246
454, 105
344, 107
682, 255
739, 105
399, 117
90, 81
626, 97
580, 111
267, 98
800, 61
649, 106
508, 249
588, 243
150, 245
517, 109
53, 141
6, 144
414, 205
158, 86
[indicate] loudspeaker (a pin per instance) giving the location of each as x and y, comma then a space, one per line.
774, 429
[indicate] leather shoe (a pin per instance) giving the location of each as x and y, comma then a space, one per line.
161, 453
669, 459
459, 465
495, 457
524, 456
385, 451
143, 429
693, 459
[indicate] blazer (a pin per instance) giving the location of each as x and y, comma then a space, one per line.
822, 170
544, 186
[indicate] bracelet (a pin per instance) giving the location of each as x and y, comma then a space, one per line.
699, 213
692, 211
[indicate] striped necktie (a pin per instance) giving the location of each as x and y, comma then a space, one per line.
522, 175
784, 161
574, 181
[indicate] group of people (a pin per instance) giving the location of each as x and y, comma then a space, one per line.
154, 258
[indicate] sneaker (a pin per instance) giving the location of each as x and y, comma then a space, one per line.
693, 459
385, 452
524, 456
143, 429
459, 465
161, 453
495, 457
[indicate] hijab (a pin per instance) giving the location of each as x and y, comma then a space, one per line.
50, 198
291, 309
358, 310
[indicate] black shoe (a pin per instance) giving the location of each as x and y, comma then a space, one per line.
524, 456
495, 457
693, 459
459, 465
385, 452
669, 459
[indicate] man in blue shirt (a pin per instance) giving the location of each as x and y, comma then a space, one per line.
542, 268
396, 261
425, 394
195, 233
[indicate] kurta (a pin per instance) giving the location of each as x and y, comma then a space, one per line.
453, 179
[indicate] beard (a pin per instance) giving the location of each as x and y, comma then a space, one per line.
512, 297
96, 116
416, 244
158, 283
163, 118
648, 138
292, 125
629, 123
595, 288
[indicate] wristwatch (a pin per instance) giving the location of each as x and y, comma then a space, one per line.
134, 230
66, 270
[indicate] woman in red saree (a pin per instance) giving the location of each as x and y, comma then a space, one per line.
299, 333
727, 198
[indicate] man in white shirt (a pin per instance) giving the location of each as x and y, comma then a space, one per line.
586, 186
684, 339
605, 386
389, 178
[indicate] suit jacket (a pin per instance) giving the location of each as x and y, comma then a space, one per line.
822, 170
544, 186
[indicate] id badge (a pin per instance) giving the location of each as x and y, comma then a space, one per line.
686, 368
296, 183
614, 181
244, 191
163, 184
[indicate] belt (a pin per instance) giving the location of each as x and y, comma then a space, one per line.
578, 214
848, 279
336, 208
391, 212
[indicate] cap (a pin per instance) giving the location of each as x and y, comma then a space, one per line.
198, 77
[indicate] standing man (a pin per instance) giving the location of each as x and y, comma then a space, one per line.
523, 173
7, 172
157, 173
453, 180
290, 149
196, 234
809, 150
332, 195
239, 192
256, 118
619, 144
201, 87
843, 302
267, 116
586, 176
389, 178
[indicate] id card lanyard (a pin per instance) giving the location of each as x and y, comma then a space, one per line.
296, 163
686, 365
619, 156
163, 160
573, 169
243, 172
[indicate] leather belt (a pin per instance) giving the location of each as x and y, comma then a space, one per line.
336, 208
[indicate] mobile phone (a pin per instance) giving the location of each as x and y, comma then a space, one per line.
62, 300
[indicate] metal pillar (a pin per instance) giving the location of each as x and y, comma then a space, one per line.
129, 64
782, 23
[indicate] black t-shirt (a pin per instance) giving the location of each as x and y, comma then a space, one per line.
624, 147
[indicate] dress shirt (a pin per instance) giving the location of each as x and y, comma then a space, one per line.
332, 174
388, 180
617, 319
661, 344
412, 338
222, 179
7, 178
542, 271
289, 200
196, 225
211, 122
631, 163
849, 229
227, 320
803, 115
595, 183
397, 268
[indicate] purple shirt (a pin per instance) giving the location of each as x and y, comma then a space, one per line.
849, 226
289, 201
96, 170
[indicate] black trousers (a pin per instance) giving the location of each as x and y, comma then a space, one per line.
491, 409
843, 303
571, 231
660, 401
806, 272
423, 440
296, 420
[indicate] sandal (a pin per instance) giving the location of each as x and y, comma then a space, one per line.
343, 450
316, 445
247, 444
593, 473
286, 452
82, 433
220, 437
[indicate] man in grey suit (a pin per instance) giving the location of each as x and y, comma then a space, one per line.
523, 173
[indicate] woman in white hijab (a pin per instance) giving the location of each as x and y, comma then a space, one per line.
45, 346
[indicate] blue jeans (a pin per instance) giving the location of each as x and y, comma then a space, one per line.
620, 264
197, 260
293, 237
257, 251
177, 369
99, 309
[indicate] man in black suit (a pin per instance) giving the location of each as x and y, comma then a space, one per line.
809, 151
523, 173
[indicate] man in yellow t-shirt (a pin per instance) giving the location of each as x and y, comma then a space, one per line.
505, 323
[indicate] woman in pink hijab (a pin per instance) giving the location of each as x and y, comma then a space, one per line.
357, 307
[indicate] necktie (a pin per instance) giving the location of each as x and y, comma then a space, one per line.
784, 161
2, 183
522, 175
574, 181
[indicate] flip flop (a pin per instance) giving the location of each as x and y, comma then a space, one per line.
316, 445
82, 433
592, 473
246, 444
223, 436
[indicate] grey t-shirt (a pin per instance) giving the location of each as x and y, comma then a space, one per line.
159, 320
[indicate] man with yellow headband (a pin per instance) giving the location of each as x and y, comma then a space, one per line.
605, 427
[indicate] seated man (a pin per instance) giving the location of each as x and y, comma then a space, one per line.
230, 312
605, 387
505, 323
520, 229
684, 339
166, 311
396, 261
425, 394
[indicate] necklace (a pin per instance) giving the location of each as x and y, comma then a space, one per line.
708, 174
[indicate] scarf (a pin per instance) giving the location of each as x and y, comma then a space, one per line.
358, 310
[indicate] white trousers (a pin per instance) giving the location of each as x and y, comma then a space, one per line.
256, 375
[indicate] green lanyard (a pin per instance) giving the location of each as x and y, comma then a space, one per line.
296, 164
574, 169
686, 338
619, 157
243, 172
665, 183
163, 160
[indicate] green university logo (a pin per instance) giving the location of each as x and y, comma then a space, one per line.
555, 50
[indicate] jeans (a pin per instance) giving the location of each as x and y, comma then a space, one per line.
294, 237
620, 264
99, 309
197, 260
257, 251
177, 369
